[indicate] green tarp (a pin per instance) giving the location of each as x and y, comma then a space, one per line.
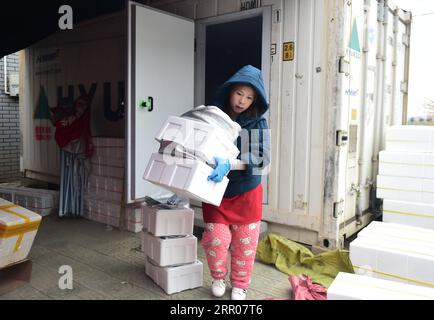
295, 259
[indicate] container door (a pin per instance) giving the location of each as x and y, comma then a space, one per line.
160, 84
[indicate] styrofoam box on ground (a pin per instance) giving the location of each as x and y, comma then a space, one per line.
108, 171
43, 212
108, 142
405, 188
399, 233
178, 278
45, 198
18, 228
168, 222
185, 177
108, 161
409, 138
349, 286
392, 260
106, 183
409, 213
406, 164
200, 138
174, 250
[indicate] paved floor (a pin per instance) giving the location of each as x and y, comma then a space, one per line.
107, 264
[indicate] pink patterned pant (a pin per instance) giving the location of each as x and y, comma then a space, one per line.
241, 240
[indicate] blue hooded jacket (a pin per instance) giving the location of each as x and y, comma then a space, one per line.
254, 139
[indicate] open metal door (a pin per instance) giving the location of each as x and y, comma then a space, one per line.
160, 84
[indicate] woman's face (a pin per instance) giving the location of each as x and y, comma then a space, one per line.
241, 98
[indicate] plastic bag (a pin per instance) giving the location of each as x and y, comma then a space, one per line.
304, 289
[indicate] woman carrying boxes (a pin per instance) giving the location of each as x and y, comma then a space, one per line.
235, 223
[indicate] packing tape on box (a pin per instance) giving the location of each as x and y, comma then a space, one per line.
406, 190
408, 164
354, 283
18, 230
395, 276
409, 214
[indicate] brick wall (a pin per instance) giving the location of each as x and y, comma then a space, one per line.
10, 140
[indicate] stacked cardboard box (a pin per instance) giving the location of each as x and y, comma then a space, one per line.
406, 176
40, 201
170, 248
104, 201
185, 159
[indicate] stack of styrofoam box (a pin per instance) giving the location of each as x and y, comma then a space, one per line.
186, 148
171, 249
395, 252
103, 198
348, 286
406, 176
41, 201
402, 247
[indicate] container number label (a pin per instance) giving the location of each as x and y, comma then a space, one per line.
288, 51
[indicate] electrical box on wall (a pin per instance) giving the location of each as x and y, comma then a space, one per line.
14, 84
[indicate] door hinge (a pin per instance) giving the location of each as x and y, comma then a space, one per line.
338, 208
344, 66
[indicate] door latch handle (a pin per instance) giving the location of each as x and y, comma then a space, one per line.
147, 104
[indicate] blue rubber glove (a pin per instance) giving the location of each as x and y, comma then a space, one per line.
221, 169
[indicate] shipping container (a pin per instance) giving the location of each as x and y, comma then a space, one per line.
336, 73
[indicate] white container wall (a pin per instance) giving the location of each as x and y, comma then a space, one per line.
336, 77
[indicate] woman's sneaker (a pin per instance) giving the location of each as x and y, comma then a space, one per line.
218, 288
238, 294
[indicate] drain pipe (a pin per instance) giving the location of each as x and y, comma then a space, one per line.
5, 72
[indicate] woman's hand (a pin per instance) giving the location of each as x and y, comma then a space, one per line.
221, 169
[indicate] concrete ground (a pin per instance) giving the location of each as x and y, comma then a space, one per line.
107, 264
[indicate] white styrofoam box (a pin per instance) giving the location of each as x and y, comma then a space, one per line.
393, 260
106, 183
108, 171
399, 233
349, 286
169, 251
409, 213
33, 196
199, 138
109, 152
18, 228
409, 138
405, 188
185, 177
405, 164
108, 142
108, 161
168, 222
104, 194
178, 278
